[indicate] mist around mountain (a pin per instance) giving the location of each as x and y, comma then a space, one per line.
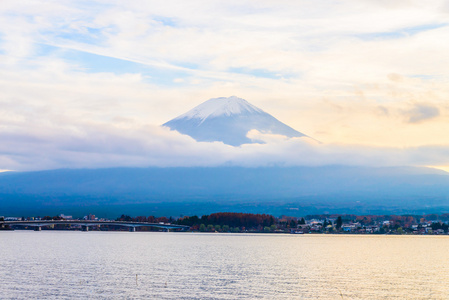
228, 120
294, 191
188, 191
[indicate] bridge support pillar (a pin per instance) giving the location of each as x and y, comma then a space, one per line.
85, 228
37, 228
132, 229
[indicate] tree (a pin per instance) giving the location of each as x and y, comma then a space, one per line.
210, 228
204, 219
266, 229
436, 225
202, 228
141, 219
225, 228
339, 223
189, 221
125, 218
217, 228
162, 219
302, 222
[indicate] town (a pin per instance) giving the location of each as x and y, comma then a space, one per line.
263, 223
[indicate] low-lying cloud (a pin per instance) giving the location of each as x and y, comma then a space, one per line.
102, 147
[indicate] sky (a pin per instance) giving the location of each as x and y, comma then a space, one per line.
87, 84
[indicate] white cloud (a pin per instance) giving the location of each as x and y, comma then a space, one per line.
93, 146
348, 72
422, 112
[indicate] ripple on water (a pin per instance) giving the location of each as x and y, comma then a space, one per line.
104, 265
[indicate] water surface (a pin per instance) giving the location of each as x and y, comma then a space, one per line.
105, 265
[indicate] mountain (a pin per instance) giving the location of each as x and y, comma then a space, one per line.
294, 191
228, 120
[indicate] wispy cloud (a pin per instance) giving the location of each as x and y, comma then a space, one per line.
347, 72
422, 112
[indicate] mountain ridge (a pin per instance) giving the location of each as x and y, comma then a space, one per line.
198, 190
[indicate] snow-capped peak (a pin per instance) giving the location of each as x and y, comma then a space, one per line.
228, 120
220, 107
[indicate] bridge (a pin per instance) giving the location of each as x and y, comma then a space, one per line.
86, 224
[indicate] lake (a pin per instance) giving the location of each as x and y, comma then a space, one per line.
169, 265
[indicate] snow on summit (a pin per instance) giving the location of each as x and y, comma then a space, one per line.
228, 120
221, 107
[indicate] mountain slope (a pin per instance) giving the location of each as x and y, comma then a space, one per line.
175, 191
228, 120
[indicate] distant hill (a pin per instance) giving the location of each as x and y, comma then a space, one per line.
228, 120
175, 191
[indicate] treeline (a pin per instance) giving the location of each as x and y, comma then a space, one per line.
247, 222
49, 218
230, 219
144, 219
221, 222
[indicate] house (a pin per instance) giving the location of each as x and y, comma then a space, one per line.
348, 228
372, 229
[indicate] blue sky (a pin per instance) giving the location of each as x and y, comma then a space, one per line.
365, 77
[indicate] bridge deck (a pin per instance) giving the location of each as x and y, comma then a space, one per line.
41, 223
